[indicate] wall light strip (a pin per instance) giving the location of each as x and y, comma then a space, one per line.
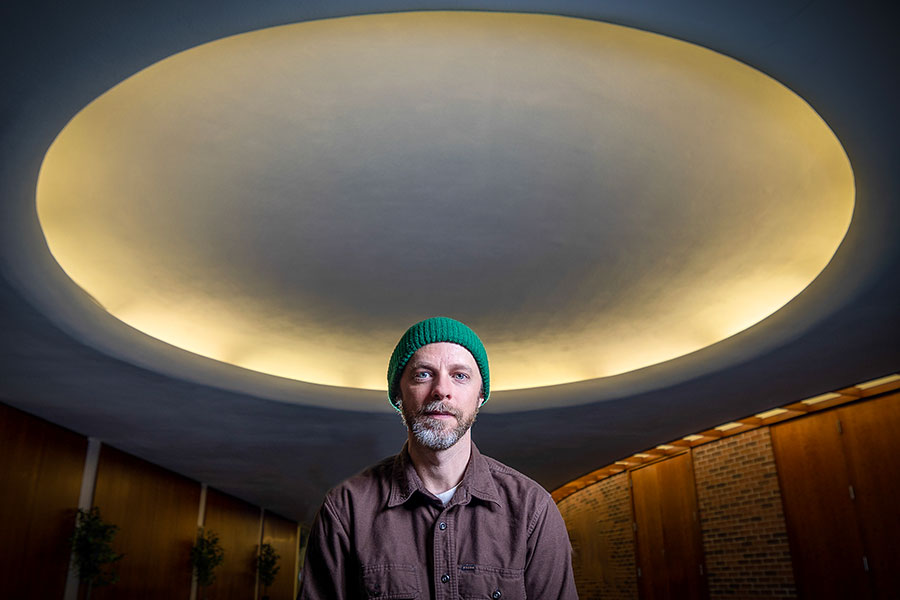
822, 398
728, 426
771, 413
815, 403
877, 382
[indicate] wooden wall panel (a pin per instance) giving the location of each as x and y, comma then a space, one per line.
653, 582
825, 540
871, 436
669, 542
40, 474
156, 511
238, 525
282, 534
681, 528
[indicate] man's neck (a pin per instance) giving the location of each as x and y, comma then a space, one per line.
441, 470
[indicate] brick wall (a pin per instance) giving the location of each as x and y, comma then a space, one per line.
599, 522
741, 518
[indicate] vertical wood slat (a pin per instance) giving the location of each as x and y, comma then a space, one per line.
282, 534
872, 446
669, 542
826, 546
156, 511
237, 524
681, 528
40, 475
650, 544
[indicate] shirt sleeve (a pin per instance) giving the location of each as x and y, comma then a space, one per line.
327, 568
548, 574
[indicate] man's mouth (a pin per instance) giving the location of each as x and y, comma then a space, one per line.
439, 414
439, 411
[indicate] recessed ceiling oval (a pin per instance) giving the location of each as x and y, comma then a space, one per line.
591, 198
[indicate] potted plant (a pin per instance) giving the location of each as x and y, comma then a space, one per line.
206, 555
92, 550
267, 567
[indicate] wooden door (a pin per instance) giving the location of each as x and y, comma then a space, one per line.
824, 535
156, 512
669, 543
871, 441
40, 479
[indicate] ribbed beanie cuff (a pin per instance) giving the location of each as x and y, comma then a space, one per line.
431, 331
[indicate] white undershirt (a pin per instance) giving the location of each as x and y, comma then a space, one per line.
446, 496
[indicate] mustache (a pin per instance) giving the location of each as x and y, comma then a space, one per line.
439, 406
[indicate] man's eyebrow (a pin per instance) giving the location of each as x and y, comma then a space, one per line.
419, 365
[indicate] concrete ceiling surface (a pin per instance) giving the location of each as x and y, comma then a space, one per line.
64, 358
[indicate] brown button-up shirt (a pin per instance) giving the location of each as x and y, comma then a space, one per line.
381, 534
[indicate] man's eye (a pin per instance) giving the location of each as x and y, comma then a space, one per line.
422, 375
461, 376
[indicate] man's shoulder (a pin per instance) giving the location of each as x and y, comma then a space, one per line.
371, 481
516, 486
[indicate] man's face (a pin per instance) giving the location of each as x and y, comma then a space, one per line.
440, 392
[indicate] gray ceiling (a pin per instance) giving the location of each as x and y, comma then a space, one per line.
264, 438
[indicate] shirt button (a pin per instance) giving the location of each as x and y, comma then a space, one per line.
442, 526
445, 578
496, 594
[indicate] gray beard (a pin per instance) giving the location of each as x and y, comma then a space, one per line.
430, 432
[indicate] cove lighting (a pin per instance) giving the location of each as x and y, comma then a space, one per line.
728, 426
876, 382
890, 383
258, 200
771, 413
821, 398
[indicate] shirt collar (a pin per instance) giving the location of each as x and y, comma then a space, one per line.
477, 480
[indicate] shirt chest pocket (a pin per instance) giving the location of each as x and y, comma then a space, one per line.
390, 581
491, 583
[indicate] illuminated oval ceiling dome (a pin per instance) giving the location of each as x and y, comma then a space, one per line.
592, 199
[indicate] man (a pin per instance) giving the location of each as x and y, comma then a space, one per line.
439, 520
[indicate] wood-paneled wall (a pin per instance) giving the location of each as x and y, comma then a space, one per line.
40, 476
840, 480
237, 524
282, 534
156, 511
669, 543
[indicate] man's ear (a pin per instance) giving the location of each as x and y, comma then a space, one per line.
481, 402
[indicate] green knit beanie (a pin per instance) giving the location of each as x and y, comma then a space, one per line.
430, 331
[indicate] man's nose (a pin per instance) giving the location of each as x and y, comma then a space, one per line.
441, 387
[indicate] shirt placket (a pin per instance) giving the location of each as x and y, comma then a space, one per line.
446, 582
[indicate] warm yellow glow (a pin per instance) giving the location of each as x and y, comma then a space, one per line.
637, 197
821, 398
642, 455
771, 413
729, 426
581, 482
876, 382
